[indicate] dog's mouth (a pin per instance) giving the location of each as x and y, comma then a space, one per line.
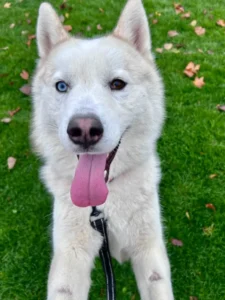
89, 184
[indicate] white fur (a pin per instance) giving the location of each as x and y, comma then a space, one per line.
135, 113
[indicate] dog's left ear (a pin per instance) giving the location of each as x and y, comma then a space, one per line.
133, 26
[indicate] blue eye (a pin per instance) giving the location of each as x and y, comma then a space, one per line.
61, 86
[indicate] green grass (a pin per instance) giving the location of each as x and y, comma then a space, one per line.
191, 148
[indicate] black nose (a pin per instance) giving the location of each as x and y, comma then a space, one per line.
85, 130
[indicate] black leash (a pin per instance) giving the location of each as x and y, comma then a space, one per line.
98, 222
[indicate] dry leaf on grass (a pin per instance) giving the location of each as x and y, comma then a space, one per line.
220, 107
187, 215
172, 33
26, 89
7, 5
159, 50
168, 46
67, 15
11, 161
199, 30
68, 27
13, 112
199, 82
99, 27
210, 206
178, 8
176, 242
208, 231
193, 298
12, 26
212, 176
154, 21
186, 15
88, 28
24, 74
6, 120
101, 10
193, 23
191, 69
221, 23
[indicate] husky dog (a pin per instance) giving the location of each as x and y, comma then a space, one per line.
89, 95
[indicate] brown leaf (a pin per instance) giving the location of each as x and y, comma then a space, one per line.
191, 69
6, 120
199, 82
24, 74
212, 176
26, 89
63, 5
193, 298
32, 36
221, 107
154, 21
172, 33
176, 242
7, 5
11, 161
186, 15
221, 23
13, 112
199, 30
28, 21
68, 27
178, 8
168, 46
159, 50
193, 23
99, 27
210, 206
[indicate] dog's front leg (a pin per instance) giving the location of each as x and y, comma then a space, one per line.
75, 246
148, 255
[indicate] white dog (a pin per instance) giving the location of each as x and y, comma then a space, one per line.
89, 95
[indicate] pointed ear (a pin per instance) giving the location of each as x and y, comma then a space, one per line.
50, 31
133, 26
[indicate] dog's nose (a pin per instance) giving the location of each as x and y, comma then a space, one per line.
85, 130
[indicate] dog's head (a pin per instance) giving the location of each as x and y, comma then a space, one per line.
89, 93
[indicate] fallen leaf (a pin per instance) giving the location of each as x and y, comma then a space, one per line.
67, 15
101, 10
159, 50
68, 27
178, 46
154, 21
172, 33
191, 69
210, 206
23, 32
193, 298
99, 27
32, 36
221, 107
27, 14
28, 21
63, 5
204, 12
187, 215
12, 26
4, 48
186, 15
175, 51
26, 89
13, 112
168, 46
210, 52
24, 74
212, 176
6, 120
11, 161
176, 242
157, 13
193, 23
208, 231
200, 50
199, 30
199, 82
178, 8
7, 5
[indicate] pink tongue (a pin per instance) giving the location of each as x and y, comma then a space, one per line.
88, 186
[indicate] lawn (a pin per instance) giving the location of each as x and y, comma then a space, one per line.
192, 149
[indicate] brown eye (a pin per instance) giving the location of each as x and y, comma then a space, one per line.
117, 84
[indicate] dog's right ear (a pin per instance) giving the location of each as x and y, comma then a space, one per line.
50, 30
